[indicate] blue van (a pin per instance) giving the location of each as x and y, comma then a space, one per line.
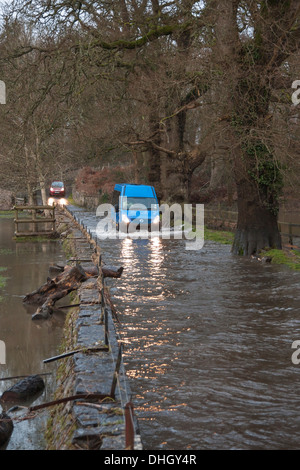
135, 207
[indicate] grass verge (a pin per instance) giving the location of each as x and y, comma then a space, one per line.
219, 236
287, 257
2, 278
37, 239
7, 214
290, 258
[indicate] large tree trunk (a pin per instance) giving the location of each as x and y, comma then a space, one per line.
246, 107
259, 182
257, 229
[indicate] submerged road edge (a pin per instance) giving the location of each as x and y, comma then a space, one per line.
102, 418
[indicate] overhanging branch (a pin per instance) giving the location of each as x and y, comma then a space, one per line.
151, 35
152, 144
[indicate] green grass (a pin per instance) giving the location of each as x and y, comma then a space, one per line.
219, 236
5, 251
71, 201
36, 239
290, 258
7, 214
2, 278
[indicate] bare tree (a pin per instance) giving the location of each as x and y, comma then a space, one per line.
171, 59
37, 112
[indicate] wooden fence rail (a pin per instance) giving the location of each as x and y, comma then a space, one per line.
227, 219
36, 221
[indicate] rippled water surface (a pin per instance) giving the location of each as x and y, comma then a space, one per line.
208, 344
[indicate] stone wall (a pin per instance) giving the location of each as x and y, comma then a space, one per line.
89, 423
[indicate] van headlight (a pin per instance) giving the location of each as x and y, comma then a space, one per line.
125, 219
156, 219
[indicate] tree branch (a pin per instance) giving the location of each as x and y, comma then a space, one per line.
152, 35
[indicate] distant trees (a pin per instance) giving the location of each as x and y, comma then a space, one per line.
169, 86
37, 112
142, 61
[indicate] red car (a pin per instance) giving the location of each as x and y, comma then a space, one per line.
57, 189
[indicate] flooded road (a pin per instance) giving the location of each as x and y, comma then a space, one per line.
208, 344
27, 342
208, 341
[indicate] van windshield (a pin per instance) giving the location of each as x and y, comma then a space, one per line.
139, 203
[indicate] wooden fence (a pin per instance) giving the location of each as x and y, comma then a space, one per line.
36, 217
226, 220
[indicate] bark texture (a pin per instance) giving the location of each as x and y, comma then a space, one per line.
24, 389
6, 428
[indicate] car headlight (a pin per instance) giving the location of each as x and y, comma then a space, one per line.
125, 219
156, 219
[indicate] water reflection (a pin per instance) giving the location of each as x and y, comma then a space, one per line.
208, 341
27, 342
127, 251
209, 347
156, 256
60, 201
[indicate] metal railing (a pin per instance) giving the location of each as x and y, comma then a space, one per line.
106, 313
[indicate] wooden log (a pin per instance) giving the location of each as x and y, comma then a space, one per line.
6, 428
46, 310
67, 281
56, 268
91, 271
109, 271
21, 376
24, 389
64, 283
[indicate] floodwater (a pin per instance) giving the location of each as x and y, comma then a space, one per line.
27, 342
208, 344
208, 341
